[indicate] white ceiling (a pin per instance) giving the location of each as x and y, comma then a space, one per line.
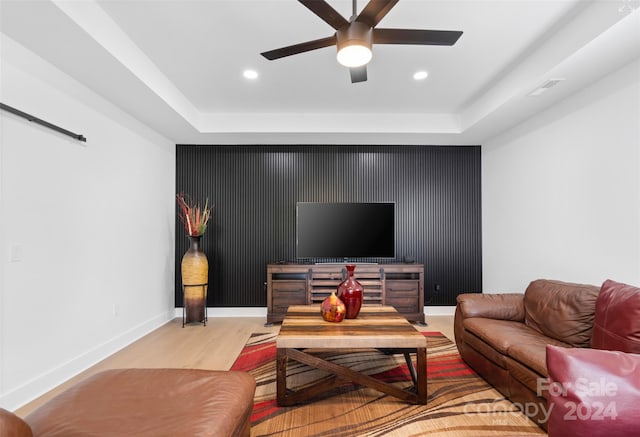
177, 65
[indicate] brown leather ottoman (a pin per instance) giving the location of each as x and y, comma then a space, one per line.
150, 402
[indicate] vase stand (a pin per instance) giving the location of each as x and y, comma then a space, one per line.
205, 317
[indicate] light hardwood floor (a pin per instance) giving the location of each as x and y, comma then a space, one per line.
213, 347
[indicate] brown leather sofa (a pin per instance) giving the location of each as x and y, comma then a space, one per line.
143, 402
506, 339
503, 337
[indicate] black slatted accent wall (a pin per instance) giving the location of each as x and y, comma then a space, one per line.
254, 190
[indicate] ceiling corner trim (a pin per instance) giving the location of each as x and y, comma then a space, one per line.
578, 38
90, 17
331, 123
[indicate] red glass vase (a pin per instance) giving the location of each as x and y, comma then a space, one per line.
350, 292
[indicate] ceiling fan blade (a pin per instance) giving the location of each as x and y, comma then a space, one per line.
358, 74
414, 36
299, 48
375, 11
326, 12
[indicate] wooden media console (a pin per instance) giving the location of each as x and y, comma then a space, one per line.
397, 285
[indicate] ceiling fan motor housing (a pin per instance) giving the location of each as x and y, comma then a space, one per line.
354, 34
354, 38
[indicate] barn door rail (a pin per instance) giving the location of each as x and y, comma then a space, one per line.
42, 122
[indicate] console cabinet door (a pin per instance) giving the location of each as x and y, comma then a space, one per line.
288, 292
404, 295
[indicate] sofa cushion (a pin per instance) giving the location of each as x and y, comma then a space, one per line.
617, 319
532, 352
13, 426
481, 346
527, 379
500, 334
593, 392
561, 310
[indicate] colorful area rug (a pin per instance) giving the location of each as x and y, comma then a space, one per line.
460, 403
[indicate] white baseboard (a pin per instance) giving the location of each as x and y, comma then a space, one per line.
262, 311
232, 312
439, 311
45, 382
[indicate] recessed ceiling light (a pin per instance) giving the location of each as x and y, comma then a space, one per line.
250, 74
420, 75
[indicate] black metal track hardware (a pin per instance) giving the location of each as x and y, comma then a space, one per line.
42, 122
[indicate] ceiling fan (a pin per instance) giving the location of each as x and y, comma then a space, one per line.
354, 37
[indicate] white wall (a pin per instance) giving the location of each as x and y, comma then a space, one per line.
92, 223
561, 192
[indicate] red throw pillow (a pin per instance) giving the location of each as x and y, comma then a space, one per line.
616, 324
593, 392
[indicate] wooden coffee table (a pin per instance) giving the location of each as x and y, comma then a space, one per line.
377, 327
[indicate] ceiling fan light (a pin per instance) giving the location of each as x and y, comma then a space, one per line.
354, 55
354, 44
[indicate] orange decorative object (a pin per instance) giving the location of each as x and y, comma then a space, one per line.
333, 309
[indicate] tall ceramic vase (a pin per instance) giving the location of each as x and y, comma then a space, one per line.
195, 282
350, 291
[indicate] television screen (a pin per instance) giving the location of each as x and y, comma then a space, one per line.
345, 230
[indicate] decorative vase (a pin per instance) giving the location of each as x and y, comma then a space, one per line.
332, 308
195, 282
350, 292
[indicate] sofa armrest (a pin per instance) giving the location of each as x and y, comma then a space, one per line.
507, 306
13, 426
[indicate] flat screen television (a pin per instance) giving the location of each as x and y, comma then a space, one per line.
345, 230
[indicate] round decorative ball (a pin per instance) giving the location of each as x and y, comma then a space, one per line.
332, 308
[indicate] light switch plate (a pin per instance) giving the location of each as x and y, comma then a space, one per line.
16, 253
